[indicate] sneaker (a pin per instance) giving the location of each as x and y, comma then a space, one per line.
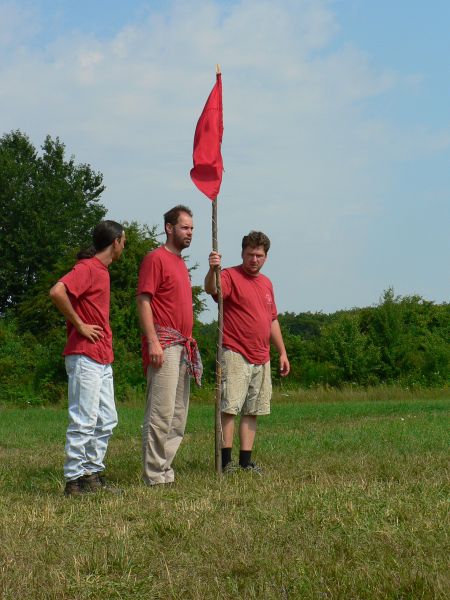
253, 468
75, 487
230, 467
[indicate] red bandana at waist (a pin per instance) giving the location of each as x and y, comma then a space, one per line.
170, 337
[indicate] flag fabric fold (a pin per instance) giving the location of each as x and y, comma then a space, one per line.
208, 164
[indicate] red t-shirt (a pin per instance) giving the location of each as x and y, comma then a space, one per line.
248, 311
88, 287
165, 278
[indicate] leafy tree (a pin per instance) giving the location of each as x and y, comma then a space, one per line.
31, 372
296, 349
350, 355
412, 335
48, 206
306, 325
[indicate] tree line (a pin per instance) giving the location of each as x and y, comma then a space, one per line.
48, 208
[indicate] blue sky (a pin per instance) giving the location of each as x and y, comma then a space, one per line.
337, 127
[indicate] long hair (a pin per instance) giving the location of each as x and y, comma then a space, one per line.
103, 236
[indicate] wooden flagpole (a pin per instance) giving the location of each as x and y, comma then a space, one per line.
218, 423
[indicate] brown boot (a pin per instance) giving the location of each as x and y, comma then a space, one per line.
75, 487
91, 483
107, 486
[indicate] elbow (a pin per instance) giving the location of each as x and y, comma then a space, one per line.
210, 287
140, 299
142, 302
54, 292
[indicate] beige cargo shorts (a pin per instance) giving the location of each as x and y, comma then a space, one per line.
246, 388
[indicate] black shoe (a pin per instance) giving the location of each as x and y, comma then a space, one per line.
252, 467
230, 467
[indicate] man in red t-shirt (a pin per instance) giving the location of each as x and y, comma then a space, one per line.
170, 356
250, 324
83, 297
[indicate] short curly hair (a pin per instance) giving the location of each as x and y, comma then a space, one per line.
254, 239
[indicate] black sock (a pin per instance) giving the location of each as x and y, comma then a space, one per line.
226, 456
244, 457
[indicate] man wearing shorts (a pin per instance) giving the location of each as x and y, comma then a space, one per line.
83, 297
250, 324
170, 355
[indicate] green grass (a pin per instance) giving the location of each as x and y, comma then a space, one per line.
354, 505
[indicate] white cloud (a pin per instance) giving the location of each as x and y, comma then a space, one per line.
17, 25
302, 160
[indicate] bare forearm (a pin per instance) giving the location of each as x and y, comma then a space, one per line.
210, 282
146, 317
276, 337
155, 351
60, 299
211, 276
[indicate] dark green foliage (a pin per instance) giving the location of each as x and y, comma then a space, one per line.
48, 206
31, 372
36, 313
348, 354
402, 340
413, 337
297, 352
306, 325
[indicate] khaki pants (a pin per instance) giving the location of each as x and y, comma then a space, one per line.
165, 415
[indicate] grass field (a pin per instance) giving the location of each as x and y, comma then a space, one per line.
354, 505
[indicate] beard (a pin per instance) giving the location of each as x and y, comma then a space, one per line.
181, 242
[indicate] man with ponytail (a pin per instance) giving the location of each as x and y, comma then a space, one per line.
83, 297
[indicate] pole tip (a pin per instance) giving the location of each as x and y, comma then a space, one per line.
218, 69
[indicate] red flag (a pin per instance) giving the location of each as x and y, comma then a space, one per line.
208, 164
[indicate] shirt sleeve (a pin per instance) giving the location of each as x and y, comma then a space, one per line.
149, 275
274, 312
225, 282
274, 306
225, 285
78, 280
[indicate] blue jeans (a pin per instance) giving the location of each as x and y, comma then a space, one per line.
92, 415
